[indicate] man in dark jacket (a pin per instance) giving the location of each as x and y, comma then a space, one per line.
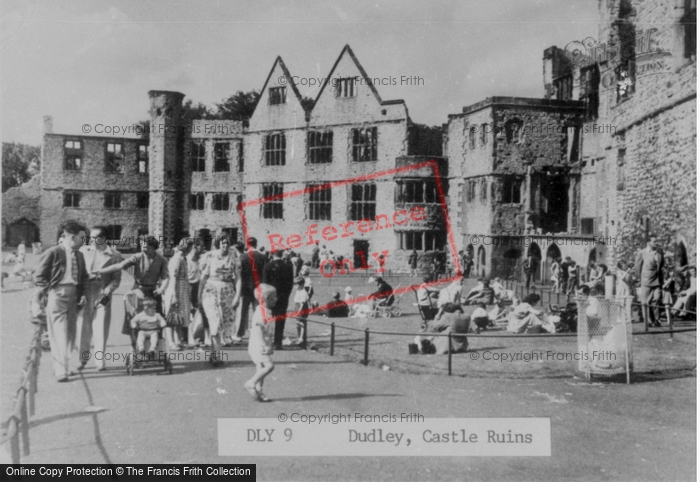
62, 276
280, 274
252, 273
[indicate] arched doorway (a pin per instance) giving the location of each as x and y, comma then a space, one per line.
592, 258
553, 253
536, 253
510, 268
481, 262
22, 230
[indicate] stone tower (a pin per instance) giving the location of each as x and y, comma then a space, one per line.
166, 199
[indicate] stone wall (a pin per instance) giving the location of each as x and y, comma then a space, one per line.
90, 182
209, 182
21, 204
646, 159
339, 115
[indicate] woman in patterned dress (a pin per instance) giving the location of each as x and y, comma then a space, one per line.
177, 296
217, 291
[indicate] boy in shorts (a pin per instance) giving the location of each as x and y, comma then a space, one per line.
149, 323
301, 303
260, 343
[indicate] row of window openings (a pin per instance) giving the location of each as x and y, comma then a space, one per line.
345, 87
363, 199
513, 132
510, 192
112, 200
114, 157
219, 201
320, 147
222, 157
363, 202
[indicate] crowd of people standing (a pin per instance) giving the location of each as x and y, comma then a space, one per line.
204, 297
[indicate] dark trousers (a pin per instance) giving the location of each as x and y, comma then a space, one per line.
651, 299
247, 299
280, 309
194, 294
528, 275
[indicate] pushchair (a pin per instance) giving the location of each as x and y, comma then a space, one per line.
387, 307
133, 304
158, 356
568, 317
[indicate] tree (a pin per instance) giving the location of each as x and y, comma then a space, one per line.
191, 112
143, 129
19, 163
238, 107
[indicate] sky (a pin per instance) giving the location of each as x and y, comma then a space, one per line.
93, 62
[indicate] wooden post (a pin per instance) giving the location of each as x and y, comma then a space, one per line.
332, 338
32, 389
14, 441
24, 422
366, 360
306, 327
449, 354
645, 315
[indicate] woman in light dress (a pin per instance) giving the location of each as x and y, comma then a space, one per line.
219, 291
177, 298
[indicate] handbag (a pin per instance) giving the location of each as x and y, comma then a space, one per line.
174, 319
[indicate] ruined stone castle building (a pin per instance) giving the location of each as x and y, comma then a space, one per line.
515, 180
605, 158
191, 178
638, 157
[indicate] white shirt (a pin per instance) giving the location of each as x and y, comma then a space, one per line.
479, 313
193, 272
301, 296
101, 257
68, 276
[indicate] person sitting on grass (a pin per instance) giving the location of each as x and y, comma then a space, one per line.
486, 295
451, 293
476, 289
687, 299
451, 320
260, 343
149, 324
526, 318
337, 308
480, 318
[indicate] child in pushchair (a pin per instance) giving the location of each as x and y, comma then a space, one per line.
147, 326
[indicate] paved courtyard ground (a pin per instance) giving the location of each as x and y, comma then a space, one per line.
605, 430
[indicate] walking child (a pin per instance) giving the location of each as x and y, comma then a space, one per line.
260, 343
301, 304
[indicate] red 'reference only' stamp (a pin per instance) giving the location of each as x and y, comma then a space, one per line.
364, 224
